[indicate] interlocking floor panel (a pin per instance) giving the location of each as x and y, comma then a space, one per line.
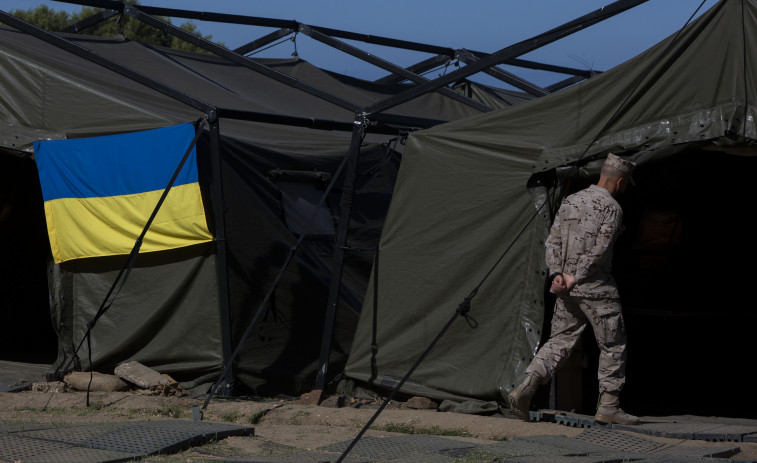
534, 445
379, 448
15, 448
82, 455
107, 442
700, 452
304, 457
432, 443
712, 432
619, 440
571, 459
567, 445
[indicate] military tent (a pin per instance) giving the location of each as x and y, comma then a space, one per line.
169, 314
474, 201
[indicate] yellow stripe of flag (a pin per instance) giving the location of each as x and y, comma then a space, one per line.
109, 225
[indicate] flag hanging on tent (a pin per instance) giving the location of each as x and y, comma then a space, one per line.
100, 192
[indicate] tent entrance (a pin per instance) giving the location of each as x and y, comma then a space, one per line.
682, 267
27, 334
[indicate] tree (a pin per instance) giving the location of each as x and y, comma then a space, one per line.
117, 26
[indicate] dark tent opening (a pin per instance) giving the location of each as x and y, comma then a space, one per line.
682, 266
24, 250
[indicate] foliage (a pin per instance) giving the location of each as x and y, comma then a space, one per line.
231, 417
116, 26
257, 417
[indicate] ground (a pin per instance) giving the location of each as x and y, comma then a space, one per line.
276, 421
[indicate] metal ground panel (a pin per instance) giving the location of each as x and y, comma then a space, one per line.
82, 455
426, 443
619, 440
11, 427
423, 458
304, 457
521, 447
163, 436
378, 448
610, 458
568, 445
566, 419
700, 452
712, 432
108, 442
72, 434
16, 448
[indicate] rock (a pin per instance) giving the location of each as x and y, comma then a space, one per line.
335, 401
80, 380
311, 398
421, 403
53, 386
142, 376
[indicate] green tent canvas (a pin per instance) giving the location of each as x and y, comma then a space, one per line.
168, 315
485, 188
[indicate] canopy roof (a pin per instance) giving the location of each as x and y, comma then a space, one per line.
49, 94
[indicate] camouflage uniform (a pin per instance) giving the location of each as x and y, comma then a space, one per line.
580, 243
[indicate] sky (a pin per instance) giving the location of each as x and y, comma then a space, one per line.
485, 26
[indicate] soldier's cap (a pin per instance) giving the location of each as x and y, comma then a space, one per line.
622, 165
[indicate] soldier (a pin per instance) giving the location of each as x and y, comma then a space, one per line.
579, 257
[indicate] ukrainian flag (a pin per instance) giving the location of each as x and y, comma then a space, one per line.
100, 192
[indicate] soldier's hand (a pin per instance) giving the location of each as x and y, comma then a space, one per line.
570, 282
558, 284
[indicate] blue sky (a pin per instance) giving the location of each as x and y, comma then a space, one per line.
475, 25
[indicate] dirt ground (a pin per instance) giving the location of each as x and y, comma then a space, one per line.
285, 421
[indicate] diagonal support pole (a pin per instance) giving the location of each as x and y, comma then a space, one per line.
360, 54
285, 79
263, 41
348, 195
507, 77
417, 68
90, 21
508, 53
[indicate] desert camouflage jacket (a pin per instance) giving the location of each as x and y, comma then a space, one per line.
581, 241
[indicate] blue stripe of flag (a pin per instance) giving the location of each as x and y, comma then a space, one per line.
115, 165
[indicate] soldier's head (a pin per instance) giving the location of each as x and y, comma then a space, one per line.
616, 174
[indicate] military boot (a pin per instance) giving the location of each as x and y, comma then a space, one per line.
520, 397
608, 410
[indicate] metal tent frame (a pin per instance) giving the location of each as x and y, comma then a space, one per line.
369, 119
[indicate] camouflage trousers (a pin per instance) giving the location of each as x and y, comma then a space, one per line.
568, 322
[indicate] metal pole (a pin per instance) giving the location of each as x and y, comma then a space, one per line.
508, 53
360, 54
136, 13
90, 21
518, 82
340, 245
263, 41
416, 68
219, 207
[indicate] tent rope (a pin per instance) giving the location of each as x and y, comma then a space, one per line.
465, 306
123, 274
